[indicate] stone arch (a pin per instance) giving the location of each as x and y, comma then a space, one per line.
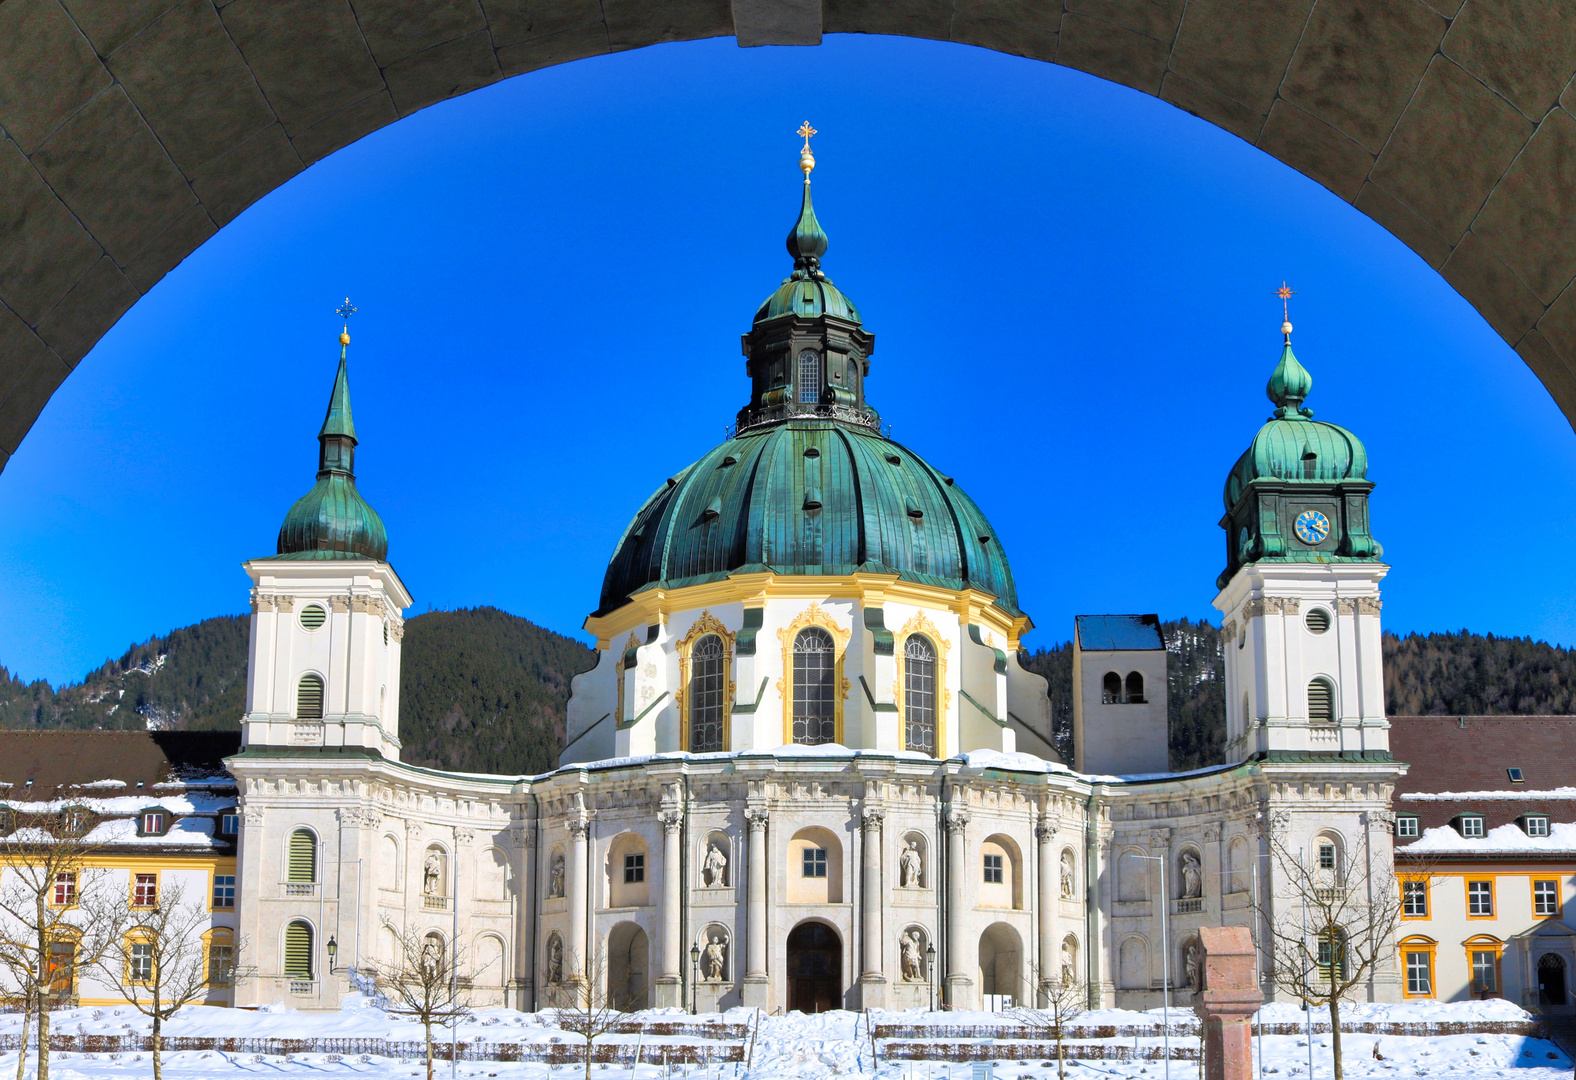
1319, 858
114, 176
555, 873
1001, 882
1187, 875
1132, 963
492, 875
1067, 874
715, 942
389, 875
1000, 966
629, 967
714, 875
814, 966
436, 883
1068, 968
628, 865
1239, 878
912, 964
1132, 875
812, 878
488, 963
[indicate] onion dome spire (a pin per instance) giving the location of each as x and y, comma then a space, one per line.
333, 521
1290, 383
807, 241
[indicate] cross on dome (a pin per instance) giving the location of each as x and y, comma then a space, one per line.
806, 159
1285, 293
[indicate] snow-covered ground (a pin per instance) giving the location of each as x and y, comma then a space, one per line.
797, 1047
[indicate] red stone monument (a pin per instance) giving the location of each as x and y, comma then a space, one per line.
1228, 997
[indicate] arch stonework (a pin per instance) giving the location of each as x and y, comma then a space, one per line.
134, 132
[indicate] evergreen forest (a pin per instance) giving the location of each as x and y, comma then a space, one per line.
485, 691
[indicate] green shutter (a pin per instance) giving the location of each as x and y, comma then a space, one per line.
298, 951
303, 856
1320, 707
309, 698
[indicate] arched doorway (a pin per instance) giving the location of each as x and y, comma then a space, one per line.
815, 965
628, 956
1001, 967
1551, 979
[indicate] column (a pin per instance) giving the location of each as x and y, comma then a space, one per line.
872, 980
522, 993
1160, 884
959, 986
577, 946
756, 985
670, 978
1048, 900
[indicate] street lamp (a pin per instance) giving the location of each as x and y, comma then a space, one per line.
930, 972
1165, 952
694, 979
333, 951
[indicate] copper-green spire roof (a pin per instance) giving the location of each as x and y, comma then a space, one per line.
807, 242
1289, 385
333, 521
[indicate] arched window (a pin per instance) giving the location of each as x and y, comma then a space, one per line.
1135, 688
708, 685
809, 376
919, 695
1332, 955
302, 864
309, 698
298, 951
814, 687
1112, 692
1321, 702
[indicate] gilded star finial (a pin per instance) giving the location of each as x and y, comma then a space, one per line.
1285, 293
345, 311
806, 159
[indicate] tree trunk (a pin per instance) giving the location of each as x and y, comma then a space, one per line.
1335, 1032
21, 1053
42, 988
43, 1036
427, 1026
1061, 1060
588, 1057
158, 1062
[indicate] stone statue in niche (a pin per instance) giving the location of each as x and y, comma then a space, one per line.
432, 875
1069, 965
1068, 882
555, 960
910, 865
1192, 877
1190, 960
555, 878
714, 958
714, 868
912, 970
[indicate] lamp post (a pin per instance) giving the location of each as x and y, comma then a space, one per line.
1165, 952
694, 980
930, 972
333, 951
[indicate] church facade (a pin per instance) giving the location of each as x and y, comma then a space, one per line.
808, 770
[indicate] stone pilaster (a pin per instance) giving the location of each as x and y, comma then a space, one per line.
1049, 903
757, 990
960, 987
872, 980
670, 978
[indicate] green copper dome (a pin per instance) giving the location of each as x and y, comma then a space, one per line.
807, 291
809, 497
333, 521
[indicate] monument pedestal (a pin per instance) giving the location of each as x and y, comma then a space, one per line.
1226, 1003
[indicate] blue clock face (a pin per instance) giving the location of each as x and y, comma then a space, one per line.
1312, 527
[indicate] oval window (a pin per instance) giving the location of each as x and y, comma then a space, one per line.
312, 616
1318, 620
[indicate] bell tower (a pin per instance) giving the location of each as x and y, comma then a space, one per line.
323, 667
1300, 592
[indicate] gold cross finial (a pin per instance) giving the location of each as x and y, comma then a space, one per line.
1285, 293
806, 159
345, 311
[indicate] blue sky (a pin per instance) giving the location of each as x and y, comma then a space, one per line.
1070, 283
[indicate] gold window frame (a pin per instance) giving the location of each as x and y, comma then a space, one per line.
814, 615
921, 625
704, 625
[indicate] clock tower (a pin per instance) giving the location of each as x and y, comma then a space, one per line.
1300, 591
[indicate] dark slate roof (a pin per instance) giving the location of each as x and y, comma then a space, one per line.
1109, 633
65, 759
1466, 754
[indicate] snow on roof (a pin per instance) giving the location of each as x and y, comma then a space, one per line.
1506, 839
1473, 796
1110, 633
196, 802
186, 832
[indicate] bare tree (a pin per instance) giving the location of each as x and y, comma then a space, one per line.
156, 956
1065, 1000
423, 980
44, 883
585, 1004
1331, 923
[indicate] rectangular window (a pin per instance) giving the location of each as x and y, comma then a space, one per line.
993, 875
1545, 897
1414, 899
221, 962
229, 824
140, 968
634, 868
1485, 971
153, 824
1406, 826
65, 889
145, 891
1537, 826
1419, 976
1480, 898
815, 862
1326, 856
1472, 828
224, 890
1515, 775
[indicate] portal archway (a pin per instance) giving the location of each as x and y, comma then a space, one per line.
1445, 128
628, 967
815, 968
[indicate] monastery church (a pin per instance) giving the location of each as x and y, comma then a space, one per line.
808, 770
